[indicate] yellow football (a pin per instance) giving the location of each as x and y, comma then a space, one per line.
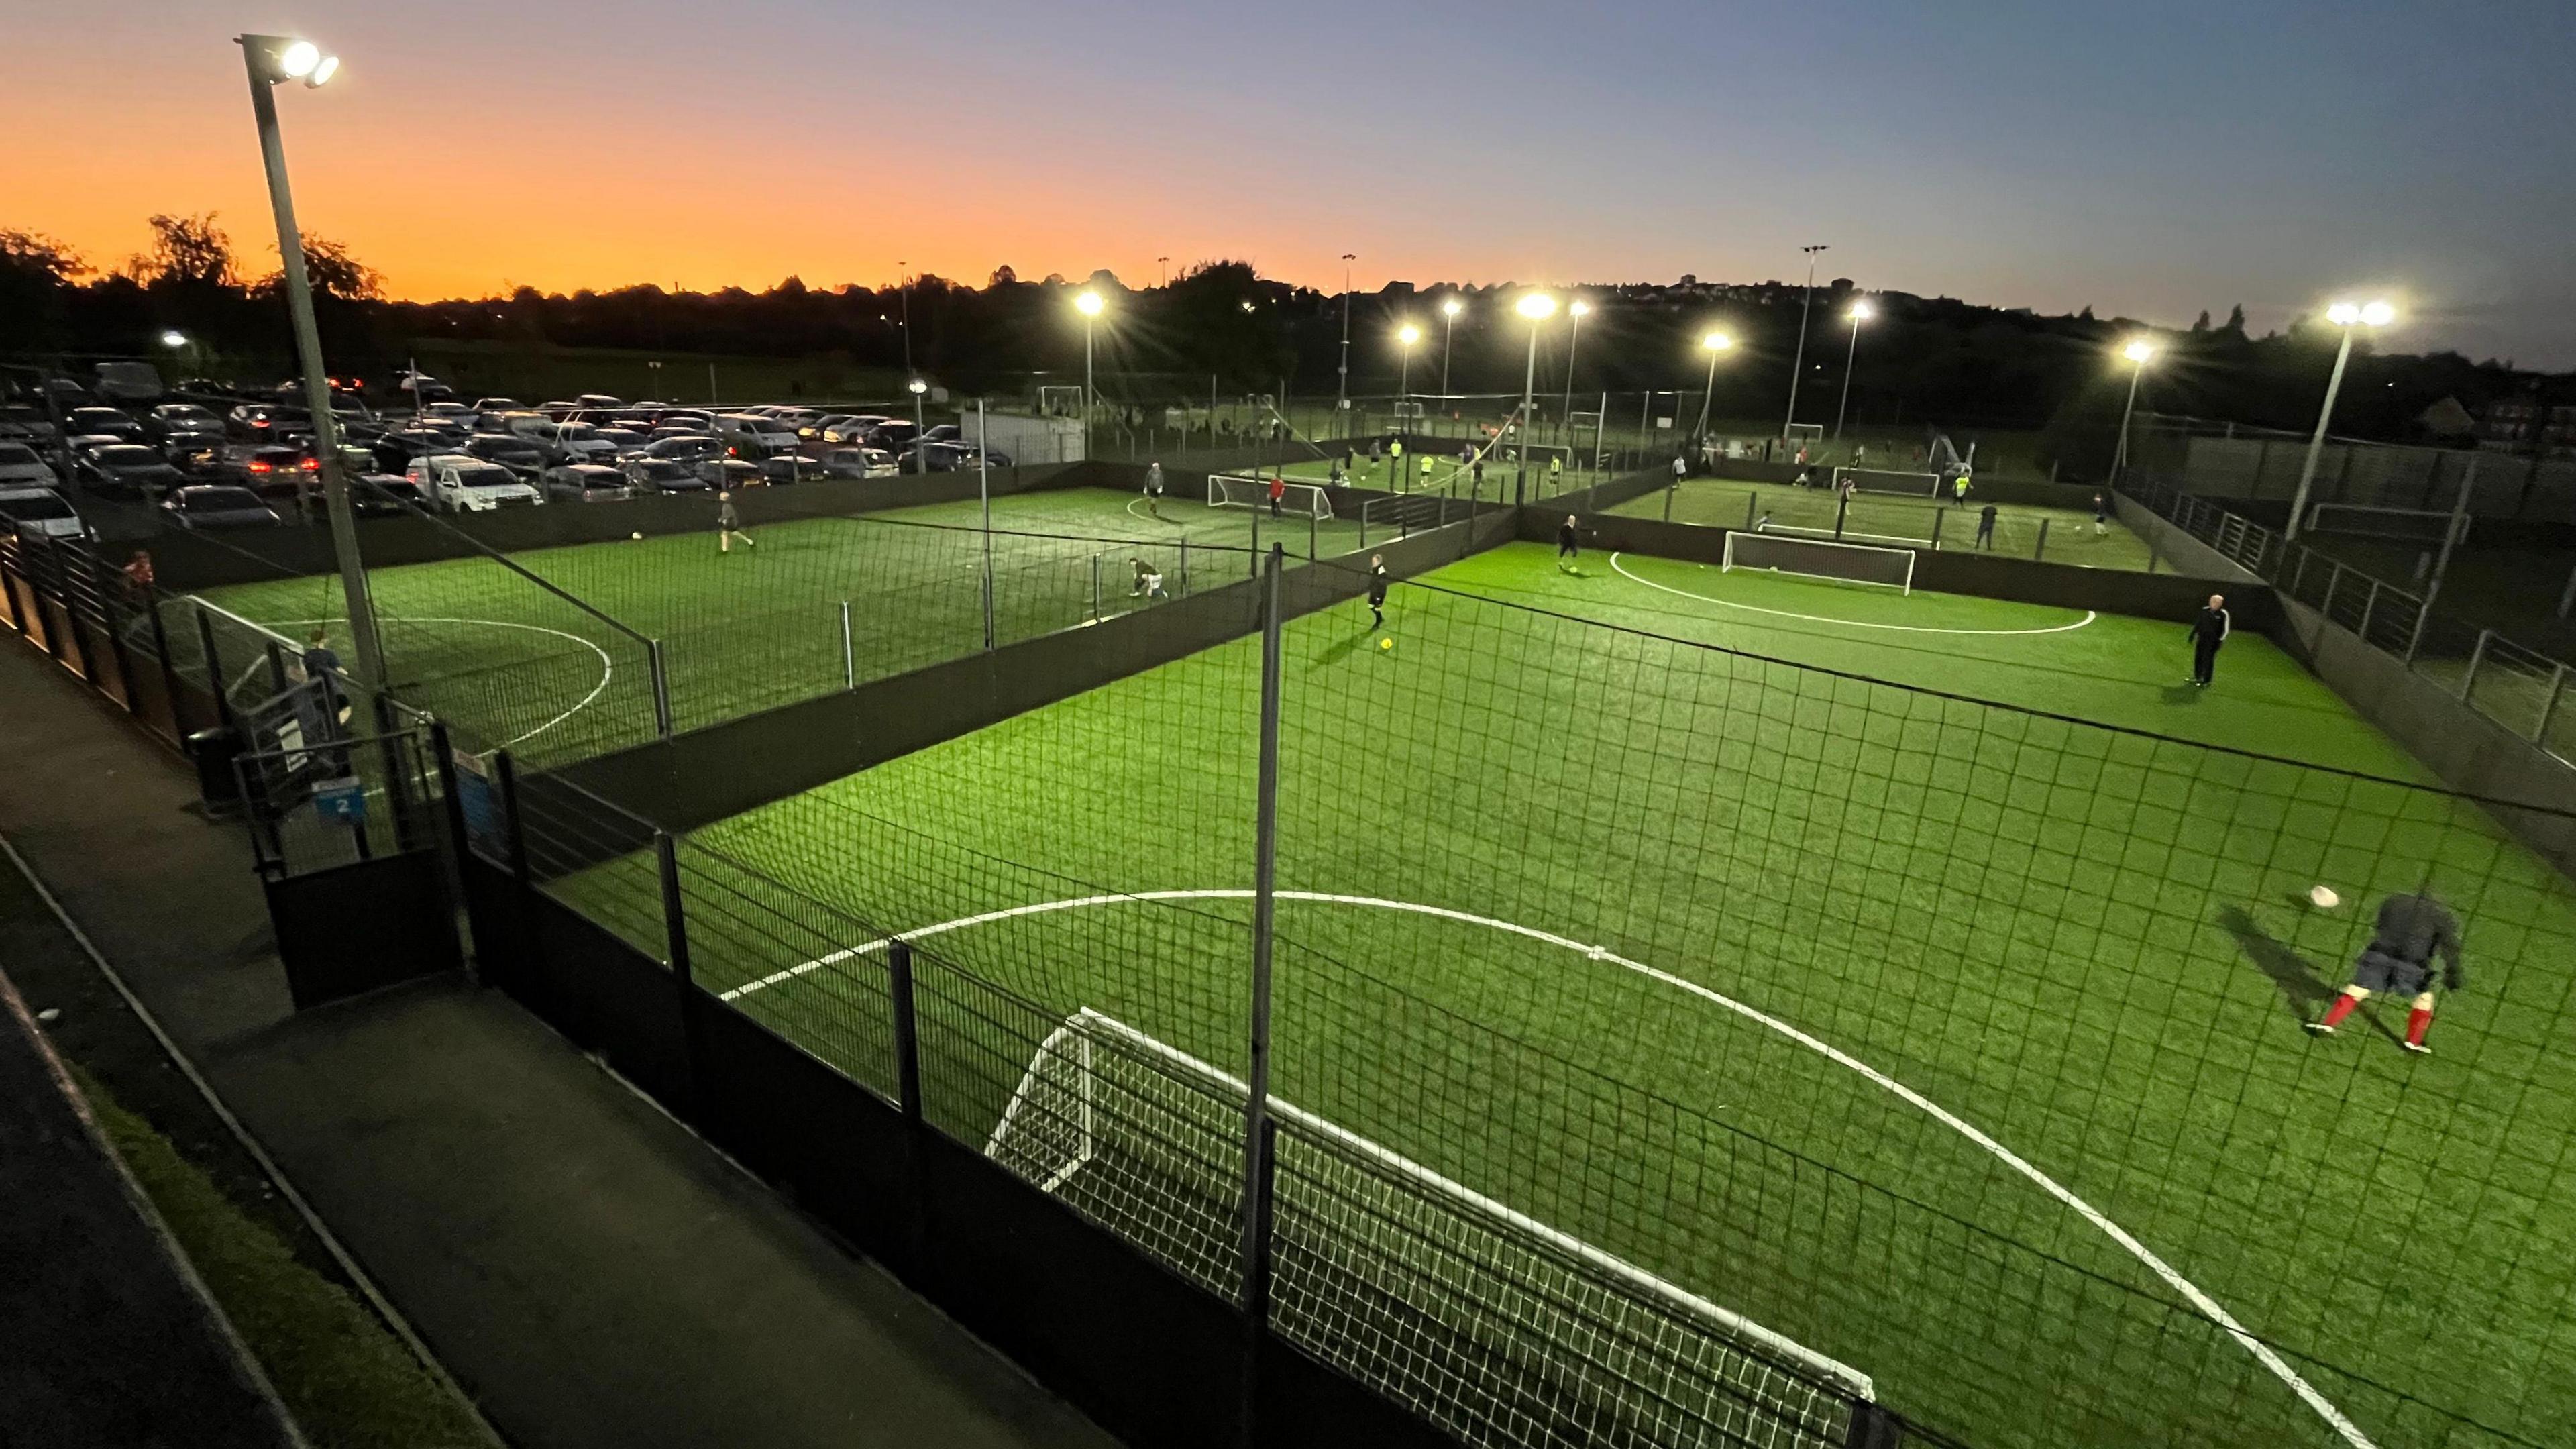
1386, 643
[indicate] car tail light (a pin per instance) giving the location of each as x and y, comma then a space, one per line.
258, 466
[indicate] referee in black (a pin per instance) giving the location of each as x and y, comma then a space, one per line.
1569, 543
2208, 631
1377, 591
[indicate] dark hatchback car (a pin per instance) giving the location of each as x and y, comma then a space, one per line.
104, 423
384, 495
218, 505
129, 470
661, 475
519, 455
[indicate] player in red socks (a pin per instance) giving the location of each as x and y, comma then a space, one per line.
2412, 930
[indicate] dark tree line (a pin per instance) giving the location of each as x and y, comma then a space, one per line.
1933, 361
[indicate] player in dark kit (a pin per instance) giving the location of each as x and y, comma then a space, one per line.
1986, 527
2208, 631
2412, 930
1569, 544
1377, 591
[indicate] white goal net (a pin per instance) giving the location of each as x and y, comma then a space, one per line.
1821, 558
1059, 402
1889, 480
1231, 490
2408, 525
1495, 1327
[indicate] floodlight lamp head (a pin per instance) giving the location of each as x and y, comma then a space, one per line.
1717, 342
1862, 311
280, 58
2377, 314
1088, 304
1537, 306
174, 338
1577, 309
2344, 314
1408, 334
917, 387
2138, 352
1452, 307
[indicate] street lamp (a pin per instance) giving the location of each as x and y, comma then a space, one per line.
1449, 333
1537, 307
2346, 315
2137, 352
1575, 310
917, 387
1860, 312
1714, 343
1089, 305
271, 60
174, 340
1799, 363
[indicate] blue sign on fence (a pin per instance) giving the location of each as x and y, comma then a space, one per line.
341, 800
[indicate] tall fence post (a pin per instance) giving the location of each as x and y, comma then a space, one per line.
1364, 508
907, 1082
675, 935
2369, 604
1256, 1101
2477, 656
169, 669
2039, 550
849, 655
1095, 588
1185, 559
661, 688
451, 873
1314, 524
115, 636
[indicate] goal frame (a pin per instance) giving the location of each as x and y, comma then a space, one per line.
1051, 392
1352, 1213
1806, 432
1256, 493
1728, 562
1866, 480
2440, 519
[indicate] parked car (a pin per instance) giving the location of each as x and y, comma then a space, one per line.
22, 467
280, 472
175, 422
461, 483
661, 475
399, 447
256, 422
18, 420
725, 473
448, 412
217, 505
687, 418
126, 382
424, 387
858, 463
106, 422
750, 436
39, 512
944, 433
129, 469
585, 483
789, 468
384, 495
893, 434
499, 405
949, 458
852, 428
627, 441
519, 455
575, 443
686, 448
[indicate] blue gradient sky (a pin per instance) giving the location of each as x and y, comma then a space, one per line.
2148, 159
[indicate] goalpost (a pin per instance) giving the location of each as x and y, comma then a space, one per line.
1059, 401
2406, 525
1306, 500
1812, 434
1494, 1326
1890, 480
1821, 558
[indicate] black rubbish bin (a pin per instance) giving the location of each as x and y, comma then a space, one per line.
214, 751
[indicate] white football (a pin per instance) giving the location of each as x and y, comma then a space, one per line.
2324, 897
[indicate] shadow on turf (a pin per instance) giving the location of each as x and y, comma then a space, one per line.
2303, 992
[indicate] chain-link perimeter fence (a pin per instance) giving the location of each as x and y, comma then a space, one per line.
1955, 1043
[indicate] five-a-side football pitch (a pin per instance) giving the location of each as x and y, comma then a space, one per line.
1957, 1043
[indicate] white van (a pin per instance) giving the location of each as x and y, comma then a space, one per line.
456, 483
756, 437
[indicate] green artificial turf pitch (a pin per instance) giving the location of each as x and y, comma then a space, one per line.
1898, 521
509, 664
2088, 945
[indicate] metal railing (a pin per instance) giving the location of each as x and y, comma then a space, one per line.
2519, 688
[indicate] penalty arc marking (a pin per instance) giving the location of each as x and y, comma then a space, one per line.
2089, 615
2263, 1353
607, 666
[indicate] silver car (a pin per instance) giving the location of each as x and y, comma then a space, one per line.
21, 467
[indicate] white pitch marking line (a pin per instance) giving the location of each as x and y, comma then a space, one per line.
2089, 615
2262, 1352
607, 666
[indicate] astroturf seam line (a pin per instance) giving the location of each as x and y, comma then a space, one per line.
2208, 1307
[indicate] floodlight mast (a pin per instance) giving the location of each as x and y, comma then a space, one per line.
2346, 315
1860, 312
1537, 307
1714, 343
1798, 363
270, 60
2138, 352
1089, 305
1449, 310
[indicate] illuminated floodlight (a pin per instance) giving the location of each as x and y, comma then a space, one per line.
298, 59
1717, 342
1862, 311
1452, 307
2138, 352
917, 387
1089, 304
174, 339
1408, 334
1537, 306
